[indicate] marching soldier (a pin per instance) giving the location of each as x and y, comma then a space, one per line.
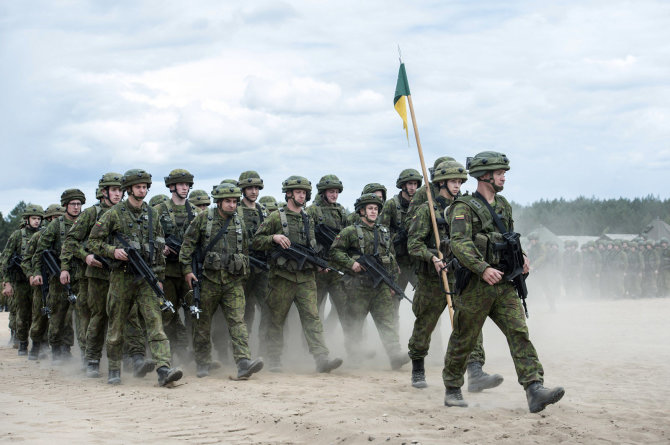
373, 187
200, 199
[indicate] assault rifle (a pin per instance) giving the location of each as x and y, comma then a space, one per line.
257, 263
400, 243
46, 310
51, 265
512, 263
196, 265
14, 266
173, 244
142, 270
104, 261
376, 271
302, 254
325, 235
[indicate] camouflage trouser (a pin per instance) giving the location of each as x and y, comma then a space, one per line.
124, 291
429, 304
281, 295
255, 294
377, 302
134, 333
60, 323
175, 289
501, 303
12, 313
40, 322
82, 313
23, 306
230, 297
331, 284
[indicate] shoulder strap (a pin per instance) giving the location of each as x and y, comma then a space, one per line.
478, 208
375, 231
151, 234
261, 212
189, 211
359, 233
494, 215
305, 223
223, 230
284, 221
238, 232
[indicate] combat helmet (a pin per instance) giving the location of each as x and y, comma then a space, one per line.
270, 203
98, 193
199, 198
177, 176
329, 182
368, 198
297, 183
226, 190
450, 170
373, 187
228, 181
110, 179
135, 176
437, 162
54, 210
486, 161
155, 200
664, 240
33, 210
249, 178
409, 174
70, 195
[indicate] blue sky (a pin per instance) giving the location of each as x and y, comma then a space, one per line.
575, 93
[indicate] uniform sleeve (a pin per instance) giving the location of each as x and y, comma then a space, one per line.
46, 241
418, 233
268, 228
10, 247
27, 262
388, 214
419, 198
190, 243
338, 250
73, 244
464, 249
102, 229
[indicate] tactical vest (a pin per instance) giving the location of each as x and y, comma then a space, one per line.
140, 235
320, 217
485, 241
220, 256
252, 224
299, 235
172, 223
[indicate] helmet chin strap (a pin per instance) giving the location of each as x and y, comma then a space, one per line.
491, 181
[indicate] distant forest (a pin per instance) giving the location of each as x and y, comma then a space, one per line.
582, 216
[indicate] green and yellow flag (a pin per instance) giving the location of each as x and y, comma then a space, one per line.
399, 101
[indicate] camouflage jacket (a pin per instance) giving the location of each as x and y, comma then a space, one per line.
473, 234
591, 264
175, 220
252, 218
76, 240
16, 244
421, 238
537, 255
419, 198
651, 260
331, 215
348, 246
572, 263
52, 239
27, 263
228, 257
294, 228
133, 224
618, 261
635, 262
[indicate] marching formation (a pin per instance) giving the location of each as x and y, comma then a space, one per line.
130, 276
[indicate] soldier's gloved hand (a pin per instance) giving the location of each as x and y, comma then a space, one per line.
282, 240
492, 276
64, 277
91, 261
120, 254
356, 267
7, 290
190, 277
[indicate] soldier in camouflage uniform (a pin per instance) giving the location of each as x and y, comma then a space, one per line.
421, 195
200, 199
175, 216
269, 202
618, 263
429, 298
572, 267
17, 286
328, 212
664, 268
488, 293
634, 272
288, 283
219, 238
651, 265
373, 187
158, 199
256, 282
137, 223
368, 237
61, 335
394, 217
40, 321
591, 265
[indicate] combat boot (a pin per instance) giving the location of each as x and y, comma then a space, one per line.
539, 397
324, 365
418, 374
93, 369
141, 366
56, 357
246, 367
478, 380
202, 370
454, 397
127, 363
34, 353
167, 375
23, 348
399, 360
114, 377
14, 341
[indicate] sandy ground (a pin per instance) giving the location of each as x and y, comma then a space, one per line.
612, 357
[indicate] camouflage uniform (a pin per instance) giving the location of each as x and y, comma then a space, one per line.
591, 266
664, 268
634, 271
225, 266
39, 322
472, 233
572, 267
618, 264
124, 288
335, 217
289, 285
175, 219
377, 301
651, 266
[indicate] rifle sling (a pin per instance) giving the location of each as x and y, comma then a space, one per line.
222, 231
494, 215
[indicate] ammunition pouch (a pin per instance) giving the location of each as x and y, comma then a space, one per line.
233, 263
463, 276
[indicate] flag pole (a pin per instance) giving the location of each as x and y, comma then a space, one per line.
433, 220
